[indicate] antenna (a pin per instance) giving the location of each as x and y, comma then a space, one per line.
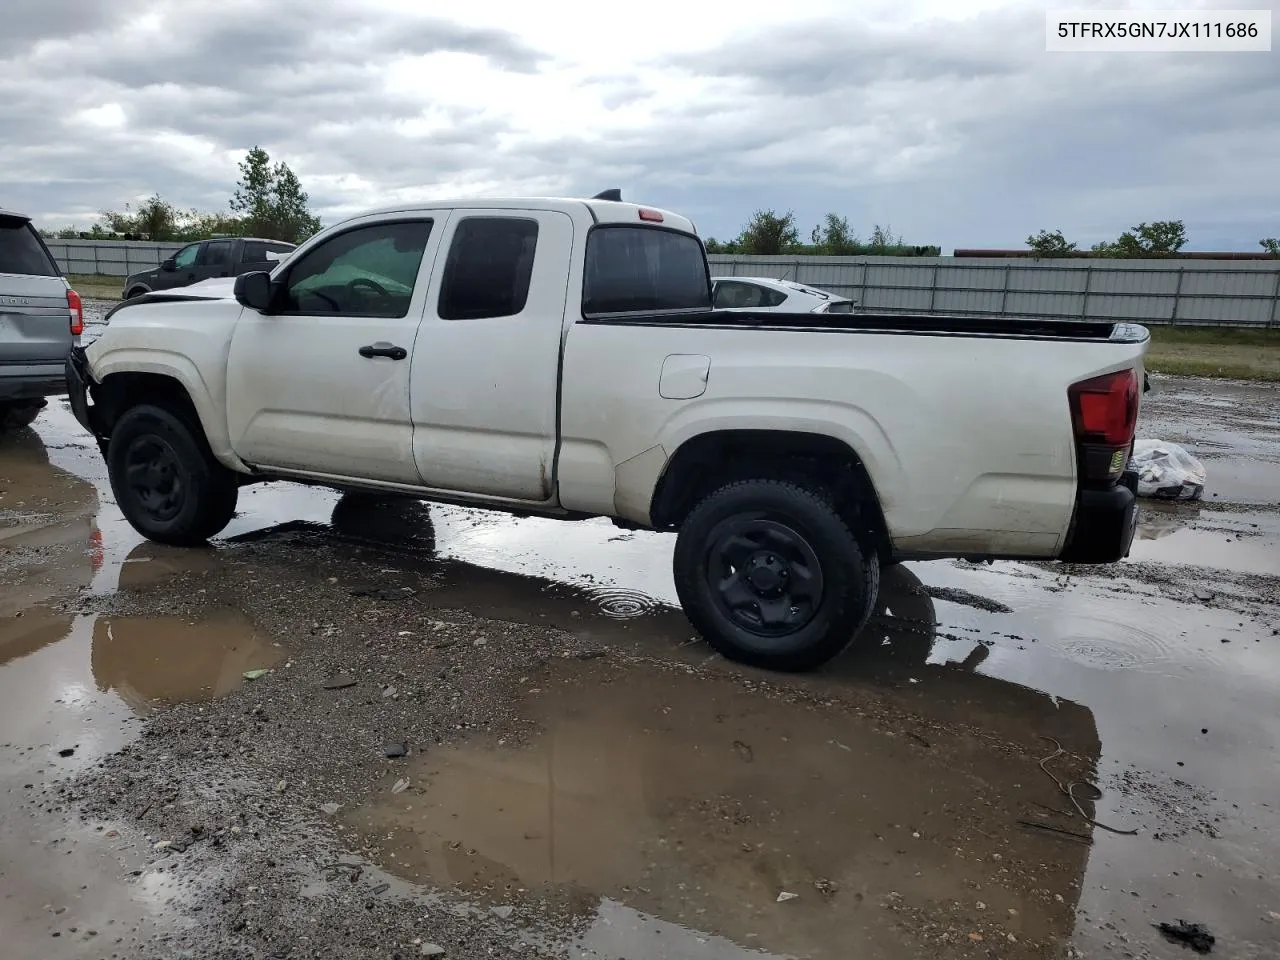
613, 194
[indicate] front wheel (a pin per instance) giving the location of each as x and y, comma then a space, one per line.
771, 575
166, 480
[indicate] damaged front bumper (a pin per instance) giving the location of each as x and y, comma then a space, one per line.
78, 381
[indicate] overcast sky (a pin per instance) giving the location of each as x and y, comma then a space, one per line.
945, 119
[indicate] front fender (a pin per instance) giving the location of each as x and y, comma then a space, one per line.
104, 361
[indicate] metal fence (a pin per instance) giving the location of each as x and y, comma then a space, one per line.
112, 258
1227, 293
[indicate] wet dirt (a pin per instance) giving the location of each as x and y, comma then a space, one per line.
583, 777
694, 799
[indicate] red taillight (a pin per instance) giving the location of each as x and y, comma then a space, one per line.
1104, 418
1104, 410
653, 216
76, 309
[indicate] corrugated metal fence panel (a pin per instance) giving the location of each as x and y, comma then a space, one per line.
112, 258
1234, 293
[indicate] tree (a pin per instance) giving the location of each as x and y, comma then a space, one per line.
270, 200
833, 237
883, 241
721, 246
154, 219
1271, 246
1161, 238
1046, 244
768, 234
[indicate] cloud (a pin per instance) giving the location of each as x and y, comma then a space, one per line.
946, 120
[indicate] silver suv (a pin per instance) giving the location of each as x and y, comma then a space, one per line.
40, 319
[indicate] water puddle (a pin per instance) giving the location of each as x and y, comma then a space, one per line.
160, 660
701, 803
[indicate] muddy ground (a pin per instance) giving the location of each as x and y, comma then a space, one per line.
485, 737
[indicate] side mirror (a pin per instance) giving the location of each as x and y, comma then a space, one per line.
168, 266
253, 290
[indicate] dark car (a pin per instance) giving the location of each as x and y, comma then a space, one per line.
40, 317
206, 259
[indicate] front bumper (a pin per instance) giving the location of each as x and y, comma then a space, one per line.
1104, 525
76, 381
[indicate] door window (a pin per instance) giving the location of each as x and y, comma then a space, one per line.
217, 254
363, 272
253, 251
186, 257
489, 267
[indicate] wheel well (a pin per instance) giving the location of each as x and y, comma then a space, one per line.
120, 391
709, 461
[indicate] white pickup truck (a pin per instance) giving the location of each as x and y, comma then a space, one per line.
561, 357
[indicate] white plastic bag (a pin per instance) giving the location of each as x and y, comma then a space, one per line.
1166, 471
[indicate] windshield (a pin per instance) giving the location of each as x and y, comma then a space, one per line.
636, 268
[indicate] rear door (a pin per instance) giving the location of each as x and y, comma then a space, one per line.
258, 255
216, 259
35, 322
486, 368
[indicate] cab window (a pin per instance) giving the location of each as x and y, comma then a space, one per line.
363, 272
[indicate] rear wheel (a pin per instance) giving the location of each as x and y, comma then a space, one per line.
771, 575
167, 482
136, 292
16, 414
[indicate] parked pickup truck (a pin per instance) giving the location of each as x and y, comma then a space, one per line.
561, 357
205, 260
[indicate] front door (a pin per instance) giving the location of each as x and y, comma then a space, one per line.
487, 371
184, 269
320, 384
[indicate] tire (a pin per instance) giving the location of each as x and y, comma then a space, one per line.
180, 494
16, 414
774, 526
136, 292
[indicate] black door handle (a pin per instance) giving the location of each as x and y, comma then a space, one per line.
383, 349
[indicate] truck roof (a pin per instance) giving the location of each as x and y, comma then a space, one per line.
602, 211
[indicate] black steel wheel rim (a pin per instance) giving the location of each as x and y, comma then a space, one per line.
763, 575
154, 475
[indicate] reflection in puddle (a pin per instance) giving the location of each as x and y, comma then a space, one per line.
149, 661
619, 931
700, 802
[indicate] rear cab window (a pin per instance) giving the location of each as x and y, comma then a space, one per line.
22, 251
636, 269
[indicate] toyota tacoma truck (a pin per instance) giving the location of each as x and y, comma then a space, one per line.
561, 357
